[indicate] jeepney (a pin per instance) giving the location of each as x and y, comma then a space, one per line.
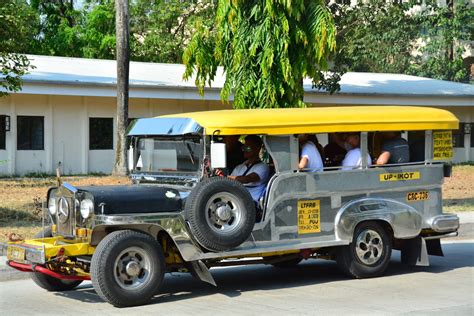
179, 216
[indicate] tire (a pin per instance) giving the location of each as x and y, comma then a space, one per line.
369, 253
281, 262
125, 250
48, 282
221, 213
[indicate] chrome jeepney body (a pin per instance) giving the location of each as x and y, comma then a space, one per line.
309, 214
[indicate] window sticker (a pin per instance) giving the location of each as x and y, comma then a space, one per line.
400, 176
309, 217
442, 145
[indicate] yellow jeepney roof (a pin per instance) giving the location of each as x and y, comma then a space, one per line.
322, 120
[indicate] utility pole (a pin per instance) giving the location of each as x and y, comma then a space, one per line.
123, 65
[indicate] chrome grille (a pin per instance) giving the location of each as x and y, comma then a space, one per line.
65, 216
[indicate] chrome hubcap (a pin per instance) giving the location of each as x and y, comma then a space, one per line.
132, 268
369, 247
224, 212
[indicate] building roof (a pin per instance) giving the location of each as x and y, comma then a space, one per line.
320, 120
80, 76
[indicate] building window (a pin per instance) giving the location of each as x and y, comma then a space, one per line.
30, 132
2, 132
101, 133
458, 136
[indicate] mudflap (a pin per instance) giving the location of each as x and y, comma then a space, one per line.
200, 271
415, 252
434, 247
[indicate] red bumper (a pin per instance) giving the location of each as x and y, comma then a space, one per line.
37, 268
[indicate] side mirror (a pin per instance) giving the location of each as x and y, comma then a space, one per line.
218, 156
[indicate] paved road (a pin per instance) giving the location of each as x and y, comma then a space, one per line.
314, 287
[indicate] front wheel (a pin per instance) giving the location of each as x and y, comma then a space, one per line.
369, 253
127, 268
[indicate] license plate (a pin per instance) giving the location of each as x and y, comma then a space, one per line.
16, 254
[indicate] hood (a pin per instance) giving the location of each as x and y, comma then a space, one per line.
129, 199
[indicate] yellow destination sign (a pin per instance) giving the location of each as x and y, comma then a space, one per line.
442, 145
417, 196
400, 176
309, 217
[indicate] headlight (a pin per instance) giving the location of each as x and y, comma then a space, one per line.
87, 208
52, 203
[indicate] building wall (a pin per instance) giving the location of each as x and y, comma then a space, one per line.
66, 130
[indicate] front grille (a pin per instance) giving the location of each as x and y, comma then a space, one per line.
65, 223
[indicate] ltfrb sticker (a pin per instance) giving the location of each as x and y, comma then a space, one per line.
400, 176
309, 216
442, 145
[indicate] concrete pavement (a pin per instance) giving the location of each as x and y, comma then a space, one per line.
314, 287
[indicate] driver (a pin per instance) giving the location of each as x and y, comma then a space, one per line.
252, 173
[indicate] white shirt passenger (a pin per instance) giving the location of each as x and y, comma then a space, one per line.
256, 189
353, 160
315, 163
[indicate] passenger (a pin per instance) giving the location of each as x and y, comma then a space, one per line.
253, 173
394, 149
234, 153
313, 138
353, 158
334, 151
310, 158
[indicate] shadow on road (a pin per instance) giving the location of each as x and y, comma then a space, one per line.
232, 281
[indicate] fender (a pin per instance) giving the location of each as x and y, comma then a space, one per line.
404, 220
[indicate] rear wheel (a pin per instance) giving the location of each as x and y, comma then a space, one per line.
369, 253
127, 268
47, 282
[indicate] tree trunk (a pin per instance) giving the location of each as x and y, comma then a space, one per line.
123, 61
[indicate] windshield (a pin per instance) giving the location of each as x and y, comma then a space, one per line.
168, 155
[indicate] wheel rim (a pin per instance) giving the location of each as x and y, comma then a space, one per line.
132, 268
369, 247
224, 213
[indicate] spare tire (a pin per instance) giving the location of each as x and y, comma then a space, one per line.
221, 213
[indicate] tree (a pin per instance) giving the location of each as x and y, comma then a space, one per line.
17, 28
404, 37
123, 64
162, 29
266, 49
446, 30
59, 28
375, 36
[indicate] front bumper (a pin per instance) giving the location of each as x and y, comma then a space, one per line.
444, 223
40, 251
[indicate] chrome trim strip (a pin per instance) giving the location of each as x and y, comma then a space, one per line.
453, 234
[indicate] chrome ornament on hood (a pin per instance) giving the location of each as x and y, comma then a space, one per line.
63, 210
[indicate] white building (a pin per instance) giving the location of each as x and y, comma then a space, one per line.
66, 110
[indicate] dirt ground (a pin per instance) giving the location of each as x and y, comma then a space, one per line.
458, 190
19, 200
18, 213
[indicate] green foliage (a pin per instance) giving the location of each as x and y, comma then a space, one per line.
266, 48
17, 29
404, 37
445, 30
98, 31
161, 29
374, 36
